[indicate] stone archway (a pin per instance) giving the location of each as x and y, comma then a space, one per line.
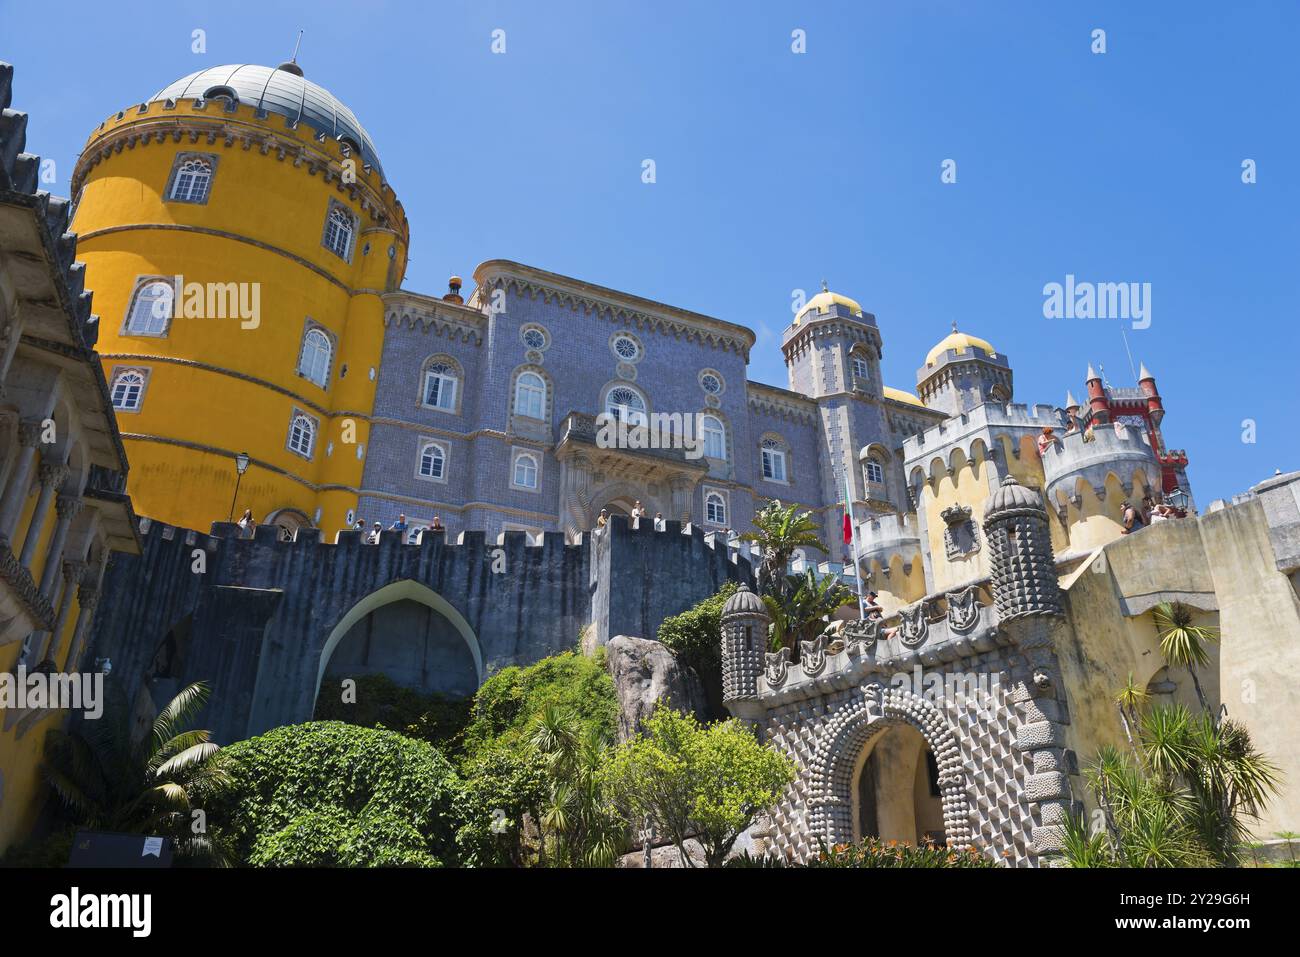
836, 763
619, 497
406, 590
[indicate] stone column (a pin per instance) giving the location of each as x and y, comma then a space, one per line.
11, 504
67, 506
51, 477
681, 491
72, 572
87, 599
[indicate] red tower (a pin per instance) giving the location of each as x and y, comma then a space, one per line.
1098, 401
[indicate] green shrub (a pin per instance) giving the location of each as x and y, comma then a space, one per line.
508, 702
876, 853
695, 636
330, 793
382, 703
502, 785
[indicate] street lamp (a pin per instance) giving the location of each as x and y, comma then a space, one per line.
1178, 498
241, 466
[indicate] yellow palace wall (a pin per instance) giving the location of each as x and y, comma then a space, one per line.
216, 388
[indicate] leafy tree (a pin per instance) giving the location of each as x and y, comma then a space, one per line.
329, 793
106, 781
780, 530
1182, 642
691, 780
504, 789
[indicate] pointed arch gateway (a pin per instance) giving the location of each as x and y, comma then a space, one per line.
836, 763
399, 591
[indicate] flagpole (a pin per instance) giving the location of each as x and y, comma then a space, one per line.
853, 537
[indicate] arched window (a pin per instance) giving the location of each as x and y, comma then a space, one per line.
302, 434
128, 388
433, 461
151, 309
858, 365
440, 383
525, 470
773, 461
715, 509
530, 395
715, 437
314, 360
339, 227
873, 472
191, 180
625, 404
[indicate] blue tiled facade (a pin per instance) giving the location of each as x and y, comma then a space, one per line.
565, 331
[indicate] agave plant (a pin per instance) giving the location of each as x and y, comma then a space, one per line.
1183, 642
108, 782
800, 613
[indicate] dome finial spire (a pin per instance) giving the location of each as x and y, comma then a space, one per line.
291, 65
954, 325
825, 288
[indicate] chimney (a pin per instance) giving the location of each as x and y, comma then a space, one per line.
453, 291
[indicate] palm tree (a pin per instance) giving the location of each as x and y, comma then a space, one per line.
1182, 642
1130, 700
780, 531
581, 824
151, 786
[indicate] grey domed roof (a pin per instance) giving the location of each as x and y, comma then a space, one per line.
1012, 495
282, 90
744, 602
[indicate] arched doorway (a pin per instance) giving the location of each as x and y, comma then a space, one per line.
409, 633
896, 793
288, 520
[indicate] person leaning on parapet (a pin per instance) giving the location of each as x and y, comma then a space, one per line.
873, 609
399, 526
637, 512
246, 523
437, 525
1131, 516
1046, 440
373, 537
602, 520
659, 522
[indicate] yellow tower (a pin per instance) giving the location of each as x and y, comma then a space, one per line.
238, 233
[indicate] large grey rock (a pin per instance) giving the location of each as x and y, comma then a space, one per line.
645, 672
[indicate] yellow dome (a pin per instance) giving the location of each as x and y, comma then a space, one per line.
824, 300
899, 395
960, 341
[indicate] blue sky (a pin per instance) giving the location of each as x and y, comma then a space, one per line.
776, 170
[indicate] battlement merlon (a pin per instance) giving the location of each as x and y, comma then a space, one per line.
1118, 450
882, 537
1013, 419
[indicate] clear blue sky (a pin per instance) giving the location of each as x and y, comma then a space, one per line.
776, 170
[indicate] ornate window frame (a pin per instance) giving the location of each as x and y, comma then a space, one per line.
425, 443
774, 442
516, 454
354, 229
309, 326
636, 340
458, 372
548, 392
314, 424
722, 382
142, 283
119, 371
173, 178
709, 491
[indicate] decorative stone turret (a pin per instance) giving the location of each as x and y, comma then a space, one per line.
1020, 546
744, 645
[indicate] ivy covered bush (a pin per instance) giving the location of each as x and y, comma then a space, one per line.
695, 636
329, 793
380, 702
509, 703
872, 853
